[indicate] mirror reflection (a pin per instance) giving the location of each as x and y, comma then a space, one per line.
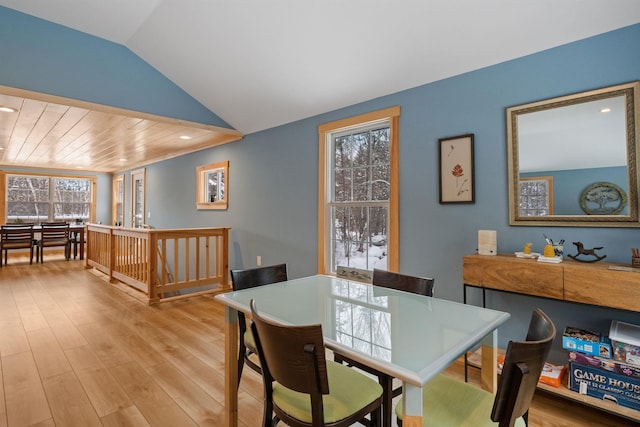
572, 160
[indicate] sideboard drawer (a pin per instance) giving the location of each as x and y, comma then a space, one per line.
525, 276
601, 286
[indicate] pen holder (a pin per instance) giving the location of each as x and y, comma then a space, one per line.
559, 250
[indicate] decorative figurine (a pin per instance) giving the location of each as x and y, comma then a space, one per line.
527, 249
548, 251
587, 252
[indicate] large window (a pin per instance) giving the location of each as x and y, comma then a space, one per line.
358, 192
38, 198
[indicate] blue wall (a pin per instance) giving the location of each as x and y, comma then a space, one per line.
273, 173
568, 186
273, 178
41, 56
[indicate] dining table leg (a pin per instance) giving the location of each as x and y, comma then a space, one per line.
489, 362
231, 367
412, 400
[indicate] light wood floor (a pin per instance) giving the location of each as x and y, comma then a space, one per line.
78, 351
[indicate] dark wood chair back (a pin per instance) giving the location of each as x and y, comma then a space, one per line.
251, 278
16, 236
54, 234
523, 364
403, 282
294, 357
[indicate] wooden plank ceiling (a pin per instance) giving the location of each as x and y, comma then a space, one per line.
59, 133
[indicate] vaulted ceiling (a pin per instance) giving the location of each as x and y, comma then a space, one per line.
259, 64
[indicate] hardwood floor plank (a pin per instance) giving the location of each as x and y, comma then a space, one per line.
3, 405
69, 403
198, 404
25, 398
108, 352
127, 417
153, 402
13, 339
105, 394
49, 357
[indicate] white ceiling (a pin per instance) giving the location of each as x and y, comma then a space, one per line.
258, 64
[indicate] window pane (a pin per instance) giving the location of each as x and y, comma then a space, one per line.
361, 185
72, 198
360, 151
27, 198
342, 153
342, 186
360, 237
43, 198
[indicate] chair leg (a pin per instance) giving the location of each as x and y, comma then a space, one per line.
240, 363
386, 381
376, 418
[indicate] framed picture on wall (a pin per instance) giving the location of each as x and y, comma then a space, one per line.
456, 169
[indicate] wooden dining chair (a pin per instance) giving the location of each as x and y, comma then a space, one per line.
402, 282
304, 389
450, 402
54, 234
245, 279
16, 236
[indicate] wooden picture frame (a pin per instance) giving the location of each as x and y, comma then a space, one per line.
212, 186
457, 170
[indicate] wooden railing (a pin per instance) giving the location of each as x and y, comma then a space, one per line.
163, 264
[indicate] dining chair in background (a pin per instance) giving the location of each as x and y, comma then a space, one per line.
245, 279
451, 402
54, 234
402, 282
16, 236
302, 387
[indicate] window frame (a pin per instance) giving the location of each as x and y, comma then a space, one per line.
117, 200
4, 194
390, 115
203, 194
138, 175
544, 181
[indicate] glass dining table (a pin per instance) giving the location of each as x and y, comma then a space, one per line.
410, 337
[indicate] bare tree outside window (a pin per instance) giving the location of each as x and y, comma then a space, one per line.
40, 199
360, 200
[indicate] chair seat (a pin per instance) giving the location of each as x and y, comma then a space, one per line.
17, 244
349, 392
56, 242
449, 402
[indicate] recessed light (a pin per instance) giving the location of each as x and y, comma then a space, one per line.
185, 137
605, 110
6, 109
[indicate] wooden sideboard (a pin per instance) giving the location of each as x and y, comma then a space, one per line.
587, 283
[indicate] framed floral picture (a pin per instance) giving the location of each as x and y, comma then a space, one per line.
457, 169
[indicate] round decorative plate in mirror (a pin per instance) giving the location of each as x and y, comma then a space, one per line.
603, 198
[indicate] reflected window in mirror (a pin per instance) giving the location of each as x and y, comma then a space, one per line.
575, 140
536, 196
212, 185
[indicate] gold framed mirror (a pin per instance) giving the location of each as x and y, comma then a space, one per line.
577, 140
